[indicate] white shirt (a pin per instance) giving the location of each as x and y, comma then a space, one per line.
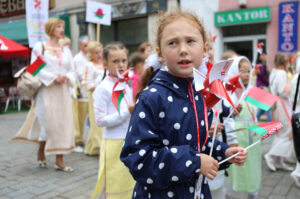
80, 62
115, 124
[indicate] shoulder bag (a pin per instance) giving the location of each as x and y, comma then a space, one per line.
296, 124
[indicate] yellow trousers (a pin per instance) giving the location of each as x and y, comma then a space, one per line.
95, 134
114, 179
80, 112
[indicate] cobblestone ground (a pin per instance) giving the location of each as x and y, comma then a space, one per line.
20, 176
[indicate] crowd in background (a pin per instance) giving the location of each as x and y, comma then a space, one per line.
78, 90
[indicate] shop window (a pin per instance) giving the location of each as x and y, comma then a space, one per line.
243, 30
131, 32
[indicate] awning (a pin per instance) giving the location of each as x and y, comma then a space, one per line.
15, 31
11, 49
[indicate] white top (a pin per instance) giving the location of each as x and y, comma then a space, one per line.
80, 62
54, 65
115, 124
93, 75
278, 82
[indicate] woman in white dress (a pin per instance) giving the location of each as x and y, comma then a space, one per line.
49, 122
282, 146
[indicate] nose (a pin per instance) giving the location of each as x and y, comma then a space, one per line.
183, 49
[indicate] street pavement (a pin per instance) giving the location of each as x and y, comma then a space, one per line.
20, 176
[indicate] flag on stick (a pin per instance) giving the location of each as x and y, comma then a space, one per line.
36, 66
260, 98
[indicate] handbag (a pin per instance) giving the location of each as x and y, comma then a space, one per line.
296, 124
28, 84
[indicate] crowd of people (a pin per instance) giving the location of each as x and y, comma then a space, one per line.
150, 127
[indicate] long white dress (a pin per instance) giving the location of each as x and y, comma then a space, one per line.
50, 117
282, 144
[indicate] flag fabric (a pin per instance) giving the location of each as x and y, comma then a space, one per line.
263, 130
36, 66
99, 13
260, 98
119, 88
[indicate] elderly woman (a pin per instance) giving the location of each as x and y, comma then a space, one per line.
49, 121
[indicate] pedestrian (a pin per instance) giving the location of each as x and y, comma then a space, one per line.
161, 146
94, 74
247, 178
49, 121
261, 71
145, 49
136, 63
114, 179
81, 99
282, 146
296, 173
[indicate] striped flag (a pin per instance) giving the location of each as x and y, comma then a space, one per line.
36, 66
260, 98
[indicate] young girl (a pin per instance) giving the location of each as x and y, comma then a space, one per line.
168, 122
136, 62
248, 177
114, 180
94, 73
282, 146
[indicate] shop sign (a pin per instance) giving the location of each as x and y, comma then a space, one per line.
244, 16
288, 26
11, 7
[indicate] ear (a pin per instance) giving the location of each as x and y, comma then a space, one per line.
205, 47
159, 55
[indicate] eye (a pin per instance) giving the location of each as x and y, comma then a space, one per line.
191, 41
172, 43
124, 60
115, 61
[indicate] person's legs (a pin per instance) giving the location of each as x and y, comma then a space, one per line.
269, 115
41, 151
259, 113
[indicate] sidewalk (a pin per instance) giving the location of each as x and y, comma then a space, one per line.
20, 176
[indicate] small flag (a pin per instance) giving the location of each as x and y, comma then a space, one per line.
99, 13
36, 66
119, 88
260, 47
260, 98
263, 130
233, 83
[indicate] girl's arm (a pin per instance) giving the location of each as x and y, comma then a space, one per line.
102, 99
150, 162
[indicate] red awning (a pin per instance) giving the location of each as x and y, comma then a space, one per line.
11, 49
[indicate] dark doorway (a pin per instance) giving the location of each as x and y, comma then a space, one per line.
241, 47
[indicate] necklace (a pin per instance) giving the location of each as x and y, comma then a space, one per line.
57, 53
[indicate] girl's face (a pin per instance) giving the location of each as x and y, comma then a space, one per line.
148, 51
97, 54
244, 69
210, 53
181, 47
59, 31
117, 61
139, 68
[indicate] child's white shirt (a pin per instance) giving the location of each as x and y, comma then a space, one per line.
114, 124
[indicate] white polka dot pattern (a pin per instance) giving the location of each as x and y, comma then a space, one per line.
161, 165
177, 126
174, 150
175, 179
166, 142
153, 90
192, 189
149, 181
175, 85
188, 136
170, 99
170, 194
142, 115
185, 109
154, 154
142, 152
137, 142
218, 148
140, 166
161, 114
188, 163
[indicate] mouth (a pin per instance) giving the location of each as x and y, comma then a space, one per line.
184, 62
121, 71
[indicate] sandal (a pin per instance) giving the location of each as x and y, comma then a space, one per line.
65, 169
42, 163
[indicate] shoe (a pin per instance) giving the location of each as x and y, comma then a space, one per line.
296, 179
270, 162
284, 166
42, 163
78, 149
66, 169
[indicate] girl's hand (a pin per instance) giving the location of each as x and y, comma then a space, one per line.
209, 166
212, 128
130, 107
61, 79
240, 159
239, 109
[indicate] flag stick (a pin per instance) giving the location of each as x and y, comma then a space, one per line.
248, 147
215, 132
98, 31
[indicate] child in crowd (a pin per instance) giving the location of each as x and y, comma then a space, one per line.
282, 146
136, 62
167, 141
94, 73
246, 178
145, 49
114, 180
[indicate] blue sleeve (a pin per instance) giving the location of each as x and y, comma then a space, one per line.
150, 162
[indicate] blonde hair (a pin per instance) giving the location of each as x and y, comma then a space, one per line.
280, 59
64, 41
91, 48
113, 46
50, 25
168, 17
228, 54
